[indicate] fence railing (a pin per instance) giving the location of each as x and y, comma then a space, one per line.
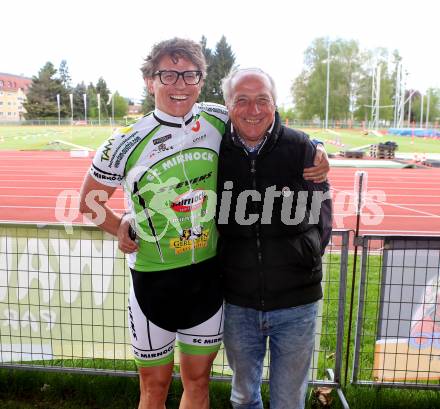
63, 307
68, 122
398, 323
294, 123
63, 304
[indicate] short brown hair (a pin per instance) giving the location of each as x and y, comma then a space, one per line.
176, 48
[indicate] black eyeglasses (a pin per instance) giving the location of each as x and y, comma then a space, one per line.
171, 77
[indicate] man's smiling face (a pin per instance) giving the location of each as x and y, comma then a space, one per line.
251, 109
176, 99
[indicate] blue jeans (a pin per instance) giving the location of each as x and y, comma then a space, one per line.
291, 333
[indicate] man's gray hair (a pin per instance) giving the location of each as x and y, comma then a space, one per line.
227, 82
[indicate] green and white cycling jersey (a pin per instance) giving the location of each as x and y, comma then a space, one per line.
168, 167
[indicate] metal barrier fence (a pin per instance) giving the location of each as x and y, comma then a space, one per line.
294, 123
63, 304
397, 340
68, 122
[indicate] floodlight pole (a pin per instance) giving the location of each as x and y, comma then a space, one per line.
401, 117
421, 110
375, 97
71, 107
85, 107
398, 96
59, 109
328, 85
428, 95
113, 109
98, 97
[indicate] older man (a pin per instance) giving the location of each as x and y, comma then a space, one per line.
270, 244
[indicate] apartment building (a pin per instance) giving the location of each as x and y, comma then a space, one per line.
13, 90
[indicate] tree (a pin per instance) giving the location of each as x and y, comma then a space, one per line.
351, 81
286, 114
92, 101
310, 87
373, 59
147, 102
220, 64
63, 73
104, 92
208, 86
42, 96
416, 102
78, 101
120, 104
434, 104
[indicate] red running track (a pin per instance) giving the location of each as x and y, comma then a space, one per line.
42, 187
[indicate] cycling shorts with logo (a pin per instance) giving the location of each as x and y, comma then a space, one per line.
184, 303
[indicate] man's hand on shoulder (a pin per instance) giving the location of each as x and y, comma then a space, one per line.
321, 166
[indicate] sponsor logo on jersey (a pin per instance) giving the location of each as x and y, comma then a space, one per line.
162, 147
107, 149
181, 219
191, 182
199, 138
150, 355
189, 201
162, 139
188, 156
106, 177
194, 237
132, 327
196, 127
207, 340
128, 144
216, 109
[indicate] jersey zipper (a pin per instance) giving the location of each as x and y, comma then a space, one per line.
184, 137
257, 233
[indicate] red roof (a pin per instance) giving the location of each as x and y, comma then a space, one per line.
134, 109
9, 82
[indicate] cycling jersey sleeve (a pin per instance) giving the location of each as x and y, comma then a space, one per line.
216, 111
109, 162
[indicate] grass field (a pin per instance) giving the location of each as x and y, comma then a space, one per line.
355, 138
40, 137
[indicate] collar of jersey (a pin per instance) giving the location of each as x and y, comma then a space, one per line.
169, 120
